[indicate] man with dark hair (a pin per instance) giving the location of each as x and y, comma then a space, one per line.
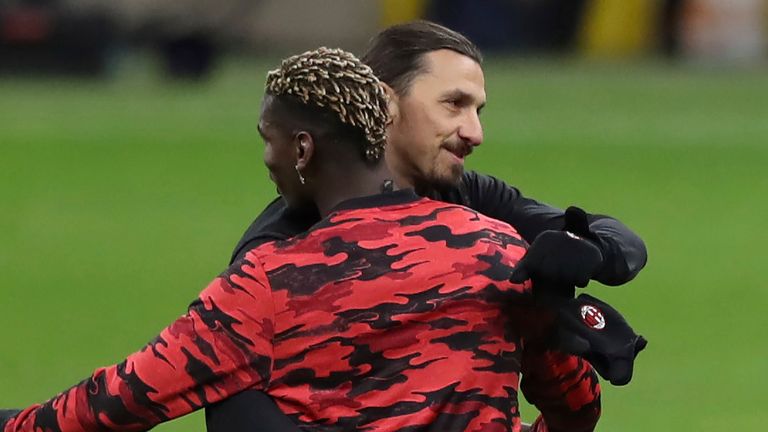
436, 86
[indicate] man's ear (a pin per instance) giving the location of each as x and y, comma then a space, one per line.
393, 102
305, 149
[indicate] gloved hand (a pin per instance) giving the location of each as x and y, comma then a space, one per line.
592, 329
562, 258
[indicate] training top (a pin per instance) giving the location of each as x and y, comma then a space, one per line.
393, 313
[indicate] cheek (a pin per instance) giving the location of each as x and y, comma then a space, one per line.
271, 161
420, 134
267, 156
431, 131
444, 125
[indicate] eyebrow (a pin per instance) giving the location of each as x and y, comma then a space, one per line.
464, 97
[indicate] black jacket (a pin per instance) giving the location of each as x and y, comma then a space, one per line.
624, 253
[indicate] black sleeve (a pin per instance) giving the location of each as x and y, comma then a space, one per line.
249, 411
276, 222
624, 253
5, 415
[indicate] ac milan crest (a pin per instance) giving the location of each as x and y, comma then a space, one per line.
592, 317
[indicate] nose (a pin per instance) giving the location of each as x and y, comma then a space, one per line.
471, 130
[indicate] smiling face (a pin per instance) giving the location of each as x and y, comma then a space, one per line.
436, 124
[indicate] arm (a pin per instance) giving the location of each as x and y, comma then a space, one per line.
5, 415
249, 411
564, 388
222, 345
624, 253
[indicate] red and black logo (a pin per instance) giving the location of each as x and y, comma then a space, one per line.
592, 317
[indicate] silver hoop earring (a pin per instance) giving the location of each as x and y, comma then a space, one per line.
301, 177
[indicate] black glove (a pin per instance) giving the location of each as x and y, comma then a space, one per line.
6, 415
562, 258
593, 330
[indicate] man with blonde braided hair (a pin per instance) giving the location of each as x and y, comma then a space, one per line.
394, 312
323, 111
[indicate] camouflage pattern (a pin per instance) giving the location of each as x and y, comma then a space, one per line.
396, 317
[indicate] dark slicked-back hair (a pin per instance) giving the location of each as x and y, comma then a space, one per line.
396, 55
336, 94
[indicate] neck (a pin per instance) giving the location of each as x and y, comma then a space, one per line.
353, 181
401, 177
398, 170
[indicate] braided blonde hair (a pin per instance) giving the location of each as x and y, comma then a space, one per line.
336, 79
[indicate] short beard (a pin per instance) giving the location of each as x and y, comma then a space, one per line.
436, 185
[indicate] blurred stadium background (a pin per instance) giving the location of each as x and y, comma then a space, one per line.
130, 166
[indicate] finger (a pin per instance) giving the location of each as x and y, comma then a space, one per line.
582, 282
621, 372
622, 367
640, 345
576, 221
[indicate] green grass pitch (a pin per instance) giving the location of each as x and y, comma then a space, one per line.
121, 199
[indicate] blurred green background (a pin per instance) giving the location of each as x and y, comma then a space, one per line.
120, 199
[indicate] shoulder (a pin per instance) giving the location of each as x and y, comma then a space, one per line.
482, 186
276, 222
456, 218
478, 191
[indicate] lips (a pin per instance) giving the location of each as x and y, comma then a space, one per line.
461, 151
